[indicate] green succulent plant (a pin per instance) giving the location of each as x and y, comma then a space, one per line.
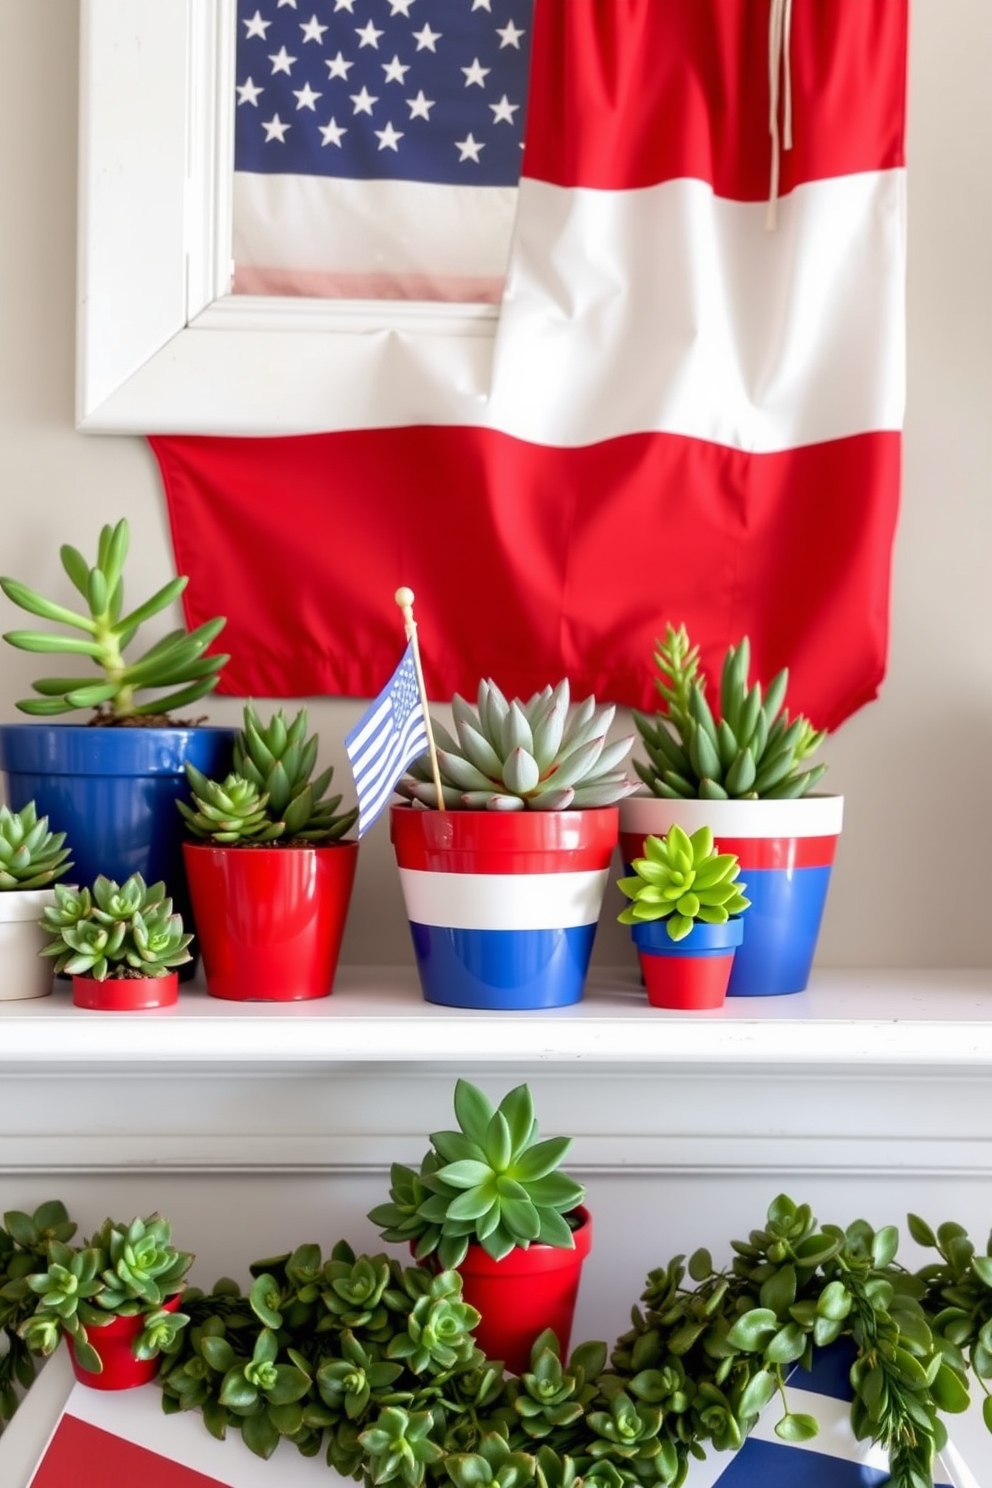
683, 880
539, 755
176, 661
31, 857
752, 751
114, 930
269, 796
492, 1181
123, 1271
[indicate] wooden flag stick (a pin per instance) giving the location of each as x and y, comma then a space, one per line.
404, 598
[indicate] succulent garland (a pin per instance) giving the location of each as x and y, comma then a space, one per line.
373, 1364
753, 751
177, 661
510, 755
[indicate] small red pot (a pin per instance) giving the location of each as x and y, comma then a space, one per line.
125, 994
524, 1293
270, 919
114, 1343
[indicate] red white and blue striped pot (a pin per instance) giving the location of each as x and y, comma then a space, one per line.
503, 906
786, 851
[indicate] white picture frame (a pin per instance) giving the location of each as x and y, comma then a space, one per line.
162, 344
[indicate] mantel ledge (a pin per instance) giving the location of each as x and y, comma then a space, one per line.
376, 1015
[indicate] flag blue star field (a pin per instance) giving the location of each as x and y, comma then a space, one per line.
385, 740
378, 146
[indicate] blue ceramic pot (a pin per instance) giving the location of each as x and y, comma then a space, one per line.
113, 791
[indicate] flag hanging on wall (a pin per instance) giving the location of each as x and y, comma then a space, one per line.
689, 417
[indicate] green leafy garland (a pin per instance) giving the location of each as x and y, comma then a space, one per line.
373, 1363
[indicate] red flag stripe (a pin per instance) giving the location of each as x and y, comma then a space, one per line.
792, 547
654, 91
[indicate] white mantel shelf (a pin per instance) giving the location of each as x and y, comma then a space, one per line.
881, 1018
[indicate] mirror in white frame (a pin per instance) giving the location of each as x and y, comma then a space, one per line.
163, 346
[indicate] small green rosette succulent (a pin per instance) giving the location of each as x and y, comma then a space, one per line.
115, 930
31, 857
683, 880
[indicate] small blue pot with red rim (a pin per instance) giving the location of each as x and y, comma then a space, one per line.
689, 973
786, 851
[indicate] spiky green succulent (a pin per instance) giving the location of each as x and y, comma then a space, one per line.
683, 879
752, 751
492, 1182
31, 857
115, 930
176, 661
539, 755
269, 795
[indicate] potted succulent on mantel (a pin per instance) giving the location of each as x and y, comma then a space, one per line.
120, 943
111, 781
685, 918
114, 1299
269, 871
746, 774
490, 1201
503, 884
31, 860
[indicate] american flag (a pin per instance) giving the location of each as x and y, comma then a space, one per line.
389, 736
366, 132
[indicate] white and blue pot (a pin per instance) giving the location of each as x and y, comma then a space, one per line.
786, 852
503, 906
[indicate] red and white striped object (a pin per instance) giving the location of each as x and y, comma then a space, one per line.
685, 416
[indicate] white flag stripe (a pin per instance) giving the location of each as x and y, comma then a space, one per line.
386, 745
387, 738
760, 341
525, 901
312, 228
375, 796
835, 1437
370, 726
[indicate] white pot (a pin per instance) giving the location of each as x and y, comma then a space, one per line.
23, 973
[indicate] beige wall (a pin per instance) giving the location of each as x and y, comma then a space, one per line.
914, 766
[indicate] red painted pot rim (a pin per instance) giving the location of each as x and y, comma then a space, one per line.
536, 1257
502, 831
125, 994
269, 852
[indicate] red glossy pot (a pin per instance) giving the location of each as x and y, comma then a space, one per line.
125, 994
270, 919
114, 1344
524, 1293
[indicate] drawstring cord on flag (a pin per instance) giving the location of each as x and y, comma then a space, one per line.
779, 36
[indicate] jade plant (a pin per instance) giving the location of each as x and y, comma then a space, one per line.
748, 748
270, 796
538, 755
114, 930
122, 1271
177, 661
372, 1364
683, 880
492, 1182
31, 857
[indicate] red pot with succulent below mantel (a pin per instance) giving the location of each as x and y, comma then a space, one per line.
524, 1293
115, 1345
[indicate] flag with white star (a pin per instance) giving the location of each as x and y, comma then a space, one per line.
378, 146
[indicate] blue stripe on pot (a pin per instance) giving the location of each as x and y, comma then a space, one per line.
511, 969
652, 939
785, 849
